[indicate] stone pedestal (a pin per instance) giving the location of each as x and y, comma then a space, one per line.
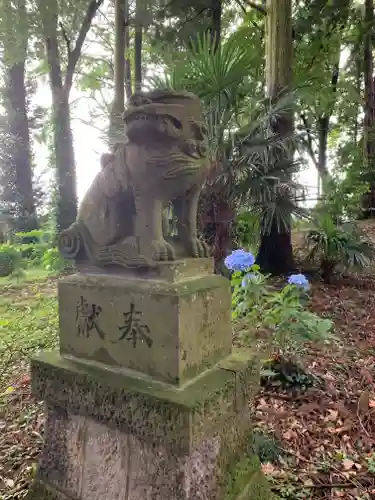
146, 399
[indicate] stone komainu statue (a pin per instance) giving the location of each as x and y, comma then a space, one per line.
164, 158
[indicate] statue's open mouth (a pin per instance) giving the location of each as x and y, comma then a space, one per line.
143, 127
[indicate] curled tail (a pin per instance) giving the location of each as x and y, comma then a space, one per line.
70, 242
77, 243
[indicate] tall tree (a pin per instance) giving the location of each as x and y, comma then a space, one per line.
369, 108
62, 64
138, 39
116, 123
320, 32
275, 252
18, 164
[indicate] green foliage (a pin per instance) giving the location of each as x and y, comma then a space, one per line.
371, 463
344, 197
266, 447
33, 249
246, 232
285, 373
10, 259
52, 260
282, 313
251, 164
26, 325
331, 245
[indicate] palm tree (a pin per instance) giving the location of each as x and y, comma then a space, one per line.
243, 147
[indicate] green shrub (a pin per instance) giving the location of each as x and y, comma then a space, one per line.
331, 245
282, 313
246, 231
10, 259
52, 260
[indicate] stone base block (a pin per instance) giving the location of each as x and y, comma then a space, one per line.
114, 437
171, 331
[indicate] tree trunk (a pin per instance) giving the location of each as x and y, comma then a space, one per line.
20, 160
369, 111
215, 224
65, 162
216, 10
275, 252
323, 129
60, 89
128, 73
138, 47
116, 123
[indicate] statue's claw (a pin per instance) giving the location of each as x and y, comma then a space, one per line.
162, 250
198, 248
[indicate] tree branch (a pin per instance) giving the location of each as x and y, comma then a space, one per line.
256, 6
66, 38
309, 139
75, 54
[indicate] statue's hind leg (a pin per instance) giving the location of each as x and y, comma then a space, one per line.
186, 208
149, 228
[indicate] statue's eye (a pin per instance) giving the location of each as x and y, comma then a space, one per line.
176, 123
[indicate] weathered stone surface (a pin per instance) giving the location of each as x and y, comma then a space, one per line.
156, 412
171, 331
40, 490
162, 158
63, 458
139, 441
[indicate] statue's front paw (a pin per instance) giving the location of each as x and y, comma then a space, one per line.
198, 248
162, 250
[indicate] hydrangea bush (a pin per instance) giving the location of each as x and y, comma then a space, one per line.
282, 312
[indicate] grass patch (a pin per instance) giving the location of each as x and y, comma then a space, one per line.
33, 275
28, 323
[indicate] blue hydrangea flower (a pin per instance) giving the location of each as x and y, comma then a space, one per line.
248, 277
239, 260
299, 280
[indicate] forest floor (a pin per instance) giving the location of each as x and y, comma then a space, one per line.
315, 441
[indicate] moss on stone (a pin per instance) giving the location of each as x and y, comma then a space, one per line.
179, 418
246, 481
181, 288
39, 491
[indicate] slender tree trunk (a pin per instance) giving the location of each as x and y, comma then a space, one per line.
65, 161
128, 73
21, 154
275, 252
138, 47
323, 129
216, 10
116, 122
369, 110
20, 161
358, 74
60, 89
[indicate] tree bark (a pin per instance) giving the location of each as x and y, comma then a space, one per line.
138, 47
275, 252
216, 10
60, 89
128, 73
20, 158
116, 122
369, 111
